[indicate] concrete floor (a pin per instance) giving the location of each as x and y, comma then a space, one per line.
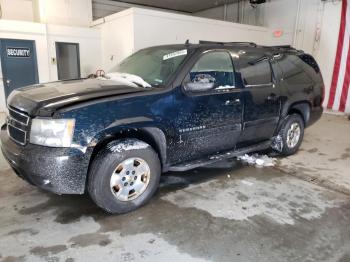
228, 212
324, 157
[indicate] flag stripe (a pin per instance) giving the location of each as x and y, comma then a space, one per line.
338, 59
344, 93
342, 71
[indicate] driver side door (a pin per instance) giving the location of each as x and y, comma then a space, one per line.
209, 108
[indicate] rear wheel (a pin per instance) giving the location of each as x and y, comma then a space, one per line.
292, 134
124, 176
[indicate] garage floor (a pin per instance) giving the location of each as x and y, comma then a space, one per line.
229, 212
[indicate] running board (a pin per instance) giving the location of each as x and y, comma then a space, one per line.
218, 157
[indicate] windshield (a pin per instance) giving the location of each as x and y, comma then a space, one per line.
154, 65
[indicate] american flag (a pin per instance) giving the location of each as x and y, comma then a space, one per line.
339, 97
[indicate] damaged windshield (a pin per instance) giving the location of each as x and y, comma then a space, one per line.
154, 65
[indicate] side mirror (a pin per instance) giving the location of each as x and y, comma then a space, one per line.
199, 87
201, 82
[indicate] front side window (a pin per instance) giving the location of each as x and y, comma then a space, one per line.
153, 65
213, 70
256, 73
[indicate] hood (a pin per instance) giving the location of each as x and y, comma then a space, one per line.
44, 99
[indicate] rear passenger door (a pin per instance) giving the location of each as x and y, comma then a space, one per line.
261, 97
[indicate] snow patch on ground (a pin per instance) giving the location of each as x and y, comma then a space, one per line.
258, 160
127, 145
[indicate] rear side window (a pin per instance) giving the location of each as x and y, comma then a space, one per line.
293, 69
256, 73
214, 67
310, 61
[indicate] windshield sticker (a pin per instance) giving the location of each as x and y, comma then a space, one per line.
175, 54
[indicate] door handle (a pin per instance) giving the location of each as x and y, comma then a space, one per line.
309, 89
233, 102
8, 81
272, 97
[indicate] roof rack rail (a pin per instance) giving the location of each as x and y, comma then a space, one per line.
244, 43
228, 43
282, 46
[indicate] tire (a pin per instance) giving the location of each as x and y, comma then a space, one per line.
111, 179
296, 121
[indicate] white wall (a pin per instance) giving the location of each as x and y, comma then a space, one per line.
134, 29
27, 31
326, 47
17, 10
277, 15
238, 13
63, 12
117, 38
89, 41
280, 15
165, 28
315, 30
45, 37
67, 12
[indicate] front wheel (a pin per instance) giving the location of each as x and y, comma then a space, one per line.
124, 176
292, 134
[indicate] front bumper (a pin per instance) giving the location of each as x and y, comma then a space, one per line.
59, 170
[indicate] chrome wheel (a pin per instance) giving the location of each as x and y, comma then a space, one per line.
293, 135
130, 179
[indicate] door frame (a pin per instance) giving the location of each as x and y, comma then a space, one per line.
78, 55
4, 71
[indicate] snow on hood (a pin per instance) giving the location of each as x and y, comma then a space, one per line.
128, 79
258, 160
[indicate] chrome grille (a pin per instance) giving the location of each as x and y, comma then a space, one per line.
19, 116
18, 126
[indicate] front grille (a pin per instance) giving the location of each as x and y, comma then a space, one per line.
18, 116
18, 126
17, 134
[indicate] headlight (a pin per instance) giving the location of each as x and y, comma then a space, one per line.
52, 132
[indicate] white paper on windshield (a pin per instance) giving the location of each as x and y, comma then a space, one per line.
175, 54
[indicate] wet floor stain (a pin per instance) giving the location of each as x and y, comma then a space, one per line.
13, 259
29, 231
45, 251
313, 150
345, 156
85, 240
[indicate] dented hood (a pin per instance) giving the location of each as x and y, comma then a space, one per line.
44, 99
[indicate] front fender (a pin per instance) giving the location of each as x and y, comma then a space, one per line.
142, 128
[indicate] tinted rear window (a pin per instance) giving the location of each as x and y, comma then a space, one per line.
293, 69
256, 73
309, 60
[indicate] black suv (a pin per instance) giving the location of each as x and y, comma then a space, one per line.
166, 108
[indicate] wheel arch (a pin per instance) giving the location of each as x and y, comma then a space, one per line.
302, 108
153, 136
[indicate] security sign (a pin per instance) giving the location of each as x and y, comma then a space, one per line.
18, 52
